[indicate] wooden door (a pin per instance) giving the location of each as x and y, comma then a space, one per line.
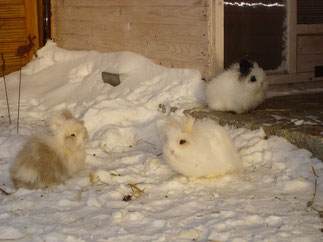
18, 20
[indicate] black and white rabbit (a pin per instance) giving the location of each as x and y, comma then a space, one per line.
199, 148
51, 157
240, 89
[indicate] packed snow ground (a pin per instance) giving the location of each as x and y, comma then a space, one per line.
267, 201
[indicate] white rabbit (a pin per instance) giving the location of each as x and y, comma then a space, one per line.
50, 158
200, 148
239, 89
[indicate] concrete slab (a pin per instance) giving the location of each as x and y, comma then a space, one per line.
298, 118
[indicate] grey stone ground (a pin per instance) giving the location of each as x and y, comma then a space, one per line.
298, 118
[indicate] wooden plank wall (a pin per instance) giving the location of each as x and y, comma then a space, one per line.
309, 11
173, 33
17, 20
309, 52
309, 35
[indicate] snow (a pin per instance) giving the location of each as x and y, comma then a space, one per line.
267, 201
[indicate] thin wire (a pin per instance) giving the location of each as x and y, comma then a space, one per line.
5, 86
19, 95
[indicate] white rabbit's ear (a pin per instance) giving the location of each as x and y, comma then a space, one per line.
189, 124
171, 121
56, 121
67, 114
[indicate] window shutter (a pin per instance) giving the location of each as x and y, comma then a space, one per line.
310, 12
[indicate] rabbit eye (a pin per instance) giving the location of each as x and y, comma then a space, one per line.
253, 79
182, 141
72, 135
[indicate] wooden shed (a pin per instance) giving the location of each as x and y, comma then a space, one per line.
284, 36
18, 20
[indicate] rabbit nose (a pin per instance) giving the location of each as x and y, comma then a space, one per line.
172, 151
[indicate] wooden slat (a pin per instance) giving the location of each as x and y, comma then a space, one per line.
165, 15
312, 44
177, 56
198, 65
309, 29
12, 30
10, 46
12, 35
12, 23
306, 63
309, 12
300, 86
154, 49
13, 2
285, 78
140, 32
12, 11
134, 3
9, 69
12, 60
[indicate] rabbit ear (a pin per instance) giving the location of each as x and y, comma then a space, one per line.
189, 124
67, 114
245, 67
171, 121
56, 121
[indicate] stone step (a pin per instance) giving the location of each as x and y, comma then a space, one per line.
298, 118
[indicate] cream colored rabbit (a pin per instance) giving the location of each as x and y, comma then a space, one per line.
200, 148
50, 158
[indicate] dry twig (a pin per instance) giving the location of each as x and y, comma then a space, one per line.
136, 192
24, 237
4, 192
309, 203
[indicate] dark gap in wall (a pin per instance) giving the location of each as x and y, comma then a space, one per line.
254, 28
46, 23
309, 12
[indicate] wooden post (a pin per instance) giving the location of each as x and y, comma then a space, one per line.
292, 36
31, 22
216, 37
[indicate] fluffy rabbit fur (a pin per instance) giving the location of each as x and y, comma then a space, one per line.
50, 158
239, 89
200, 148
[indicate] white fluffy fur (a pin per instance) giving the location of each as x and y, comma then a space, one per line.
208, 151
230, 92
51, 157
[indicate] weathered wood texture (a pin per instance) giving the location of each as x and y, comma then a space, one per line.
171, 33
309, 35
18, 18
309, 52
310, 11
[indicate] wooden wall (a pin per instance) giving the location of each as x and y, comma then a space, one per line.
309, 11
309, 35
309, 52
18, 19
173, 33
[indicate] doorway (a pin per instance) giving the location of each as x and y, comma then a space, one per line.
255, 29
